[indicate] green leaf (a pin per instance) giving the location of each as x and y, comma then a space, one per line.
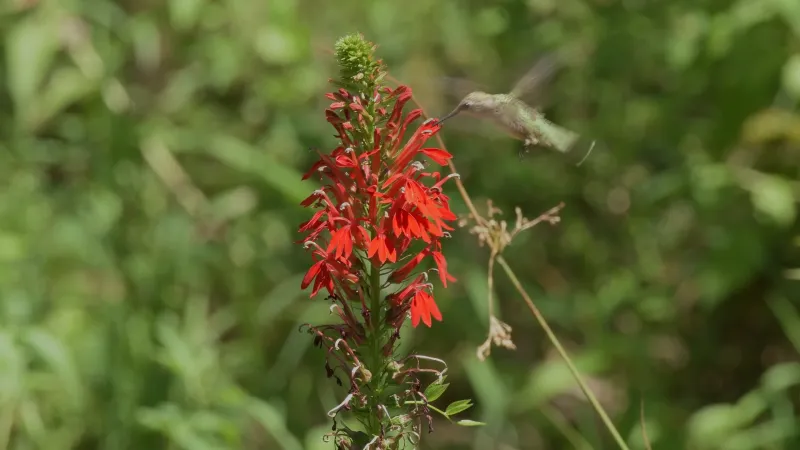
781, 377
712, 423
435, 390
458, 406
774, 197
470, 423
791, 76
31, 47
184, 13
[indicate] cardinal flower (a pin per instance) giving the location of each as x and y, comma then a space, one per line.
377, 199
377, 242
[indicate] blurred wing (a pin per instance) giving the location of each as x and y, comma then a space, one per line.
536, 76
455, 88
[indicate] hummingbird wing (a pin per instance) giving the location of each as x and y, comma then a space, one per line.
458, 88
536, 77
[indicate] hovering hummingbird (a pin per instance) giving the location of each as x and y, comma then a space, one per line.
516, 117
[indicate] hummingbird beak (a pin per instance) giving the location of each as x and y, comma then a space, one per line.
452, 113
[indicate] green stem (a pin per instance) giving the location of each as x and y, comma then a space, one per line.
561, 351
375, 363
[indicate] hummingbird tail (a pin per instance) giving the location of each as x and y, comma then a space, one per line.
565, 141
560, 138
591, 147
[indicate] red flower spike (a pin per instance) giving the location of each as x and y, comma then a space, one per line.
378, 199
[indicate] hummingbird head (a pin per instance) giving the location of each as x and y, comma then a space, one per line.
475, 103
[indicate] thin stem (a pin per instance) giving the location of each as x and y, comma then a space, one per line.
374, 339
644, 426
490, 282
557, 344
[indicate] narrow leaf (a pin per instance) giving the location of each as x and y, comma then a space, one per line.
469, 423
458, 406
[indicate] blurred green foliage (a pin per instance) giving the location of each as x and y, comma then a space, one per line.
150, 161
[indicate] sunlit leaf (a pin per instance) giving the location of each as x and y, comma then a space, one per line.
469, 423
458, 406
791, 76
31, 46
774, 197
435, 390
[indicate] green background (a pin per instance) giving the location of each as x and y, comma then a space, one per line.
150, 161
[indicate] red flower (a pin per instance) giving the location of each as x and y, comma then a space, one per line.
423, 307
325, 271
383, 248
375, 202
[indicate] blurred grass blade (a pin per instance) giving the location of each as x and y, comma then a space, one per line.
273, 422
789, 318
59, 358
244, 157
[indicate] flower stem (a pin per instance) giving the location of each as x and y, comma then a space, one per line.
557, 344
375, 347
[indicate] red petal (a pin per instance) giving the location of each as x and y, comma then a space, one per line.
323, 280
396, 227
348, 246
334, 241
373, 247
403, 272
382, 250
438, 155
433, 308
441, 264
420, 304
413, 226
310, 200
312, 272
416, 311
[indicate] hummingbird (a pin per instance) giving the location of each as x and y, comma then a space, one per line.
516, 117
